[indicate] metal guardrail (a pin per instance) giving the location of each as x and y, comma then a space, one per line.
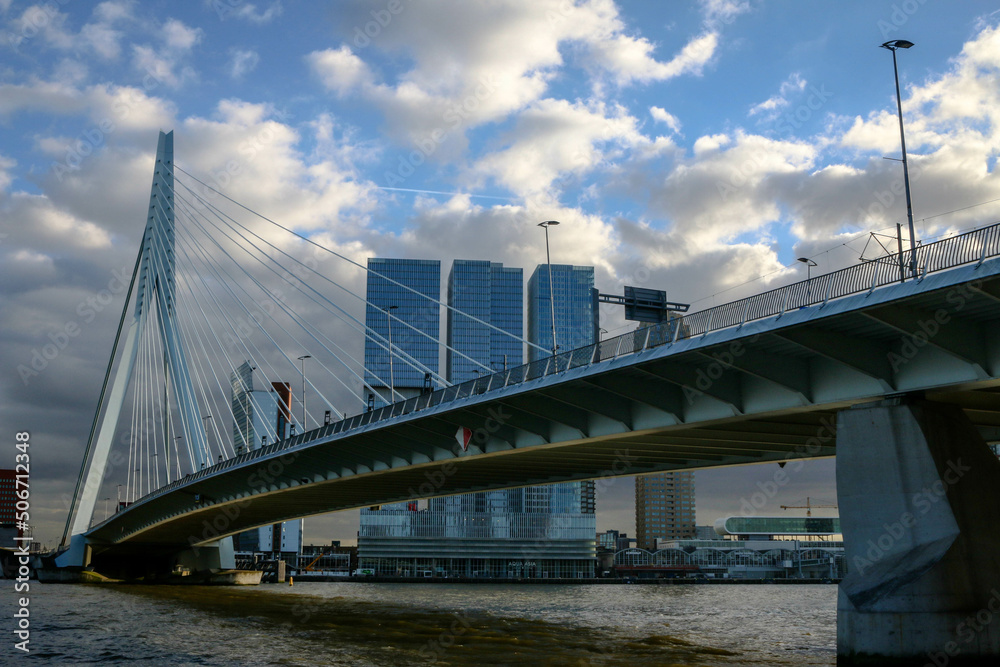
974, 246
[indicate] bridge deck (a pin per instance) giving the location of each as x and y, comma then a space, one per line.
762, 391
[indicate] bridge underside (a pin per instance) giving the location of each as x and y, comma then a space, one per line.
768, 391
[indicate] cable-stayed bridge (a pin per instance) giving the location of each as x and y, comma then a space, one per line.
766, 378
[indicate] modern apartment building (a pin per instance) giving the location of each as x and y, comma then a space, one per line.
664, 507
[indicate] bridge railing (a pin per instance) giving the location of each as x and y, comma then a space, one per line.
974, 246
966, 248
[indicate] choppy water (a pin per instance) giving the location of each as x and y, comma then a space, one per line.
421, 624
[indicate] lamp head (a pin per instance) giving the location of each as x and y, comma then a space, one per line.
897, 44
548, 223
806, 261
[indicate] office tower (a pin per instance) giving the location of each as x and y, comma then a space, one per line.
576, 310
664, 507
536, 531
577, 325
491, 293
259, 418
414, 327
255, 412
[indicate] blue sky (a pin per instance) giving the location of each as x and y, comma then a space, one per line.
698, 147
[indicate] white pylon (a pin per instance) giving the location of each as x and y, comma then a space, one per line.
154, 276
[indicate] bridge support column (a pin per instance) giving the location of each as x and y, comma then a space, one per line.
214, 556
919, 495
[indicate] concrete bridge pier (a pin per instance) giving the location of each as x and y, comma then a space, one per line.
919, 495
149, 562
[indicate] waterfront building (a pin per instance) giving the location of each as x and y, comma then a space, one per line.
664, 507
750, 548
613, 540
534, 532
576, 311
414, 326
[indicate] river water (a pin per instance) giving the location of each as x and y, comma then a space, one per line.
428, 624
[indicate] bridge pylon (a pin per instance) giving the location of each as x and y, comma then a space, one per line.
154, 287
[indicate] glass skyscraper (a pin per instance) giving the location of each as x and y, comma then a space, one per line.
576, 308
492, 293
255, 413
416, 328
535, 531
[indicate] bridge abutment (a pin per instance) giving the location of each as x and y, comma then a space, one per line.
919, 495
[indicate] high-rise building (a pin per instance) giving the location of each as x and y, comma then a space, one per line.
576, 313
492, 293
536, 531
255, 412
576, 310
414, 326
8, 510
261, 417
664, 507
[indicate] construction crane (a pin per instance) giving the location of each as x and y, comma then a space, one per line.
808, 507
309, 567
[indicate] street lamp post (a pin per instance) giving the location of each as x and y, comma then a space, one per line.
302, 362
892, 46
809, 264
548, 262
392, 380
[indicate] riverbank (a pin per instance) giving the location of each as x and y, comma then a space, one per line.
675, 581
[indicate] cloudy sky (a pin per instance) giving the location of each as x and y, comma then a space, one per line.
697, 147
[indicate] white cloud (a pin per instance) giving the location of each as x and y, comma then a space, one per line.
248, 11
165, 63
630, 58
664, 116
339, 69
724, 10
771, 105
100, 36
477, 63
554, 138
242, 62
6, 164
